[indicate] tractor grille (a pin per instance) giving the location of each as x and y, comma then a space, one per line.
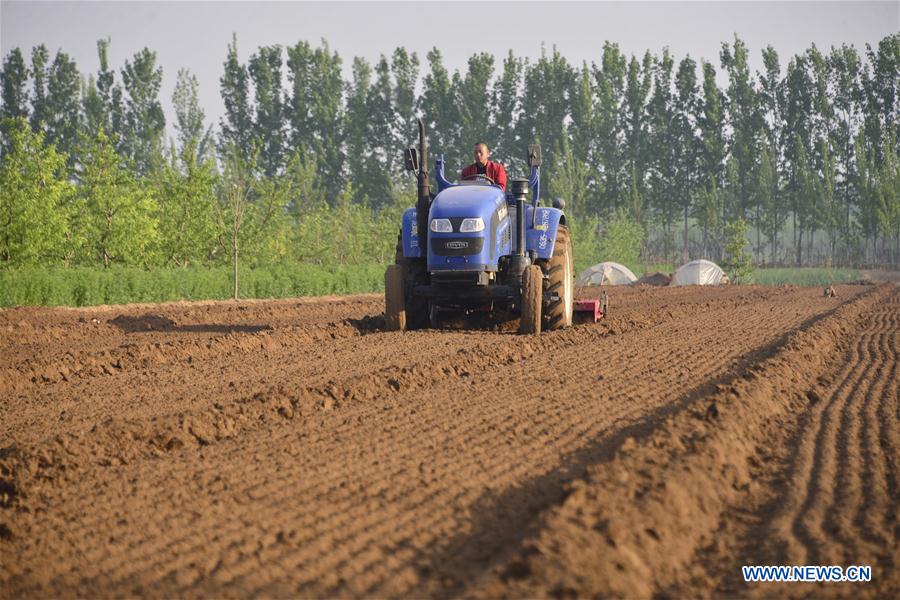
458, 279
457, 246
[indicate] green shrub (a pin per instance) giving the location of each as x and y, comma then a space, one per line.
84, 286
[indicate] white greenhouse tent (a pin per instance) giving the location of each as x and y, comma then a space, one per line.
699, 272
606, 273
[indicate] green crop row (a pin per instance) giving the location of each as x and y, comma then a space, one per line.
805, 276
85, 286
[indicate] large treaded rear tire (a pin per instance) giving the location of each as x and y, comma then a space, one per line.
530, 322
394, 301
415, 272
559, 281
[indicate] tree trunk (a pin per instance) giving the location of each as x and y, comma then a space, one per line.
794, 232
759, 248
234, 266
685, 250
809, 244
774, 245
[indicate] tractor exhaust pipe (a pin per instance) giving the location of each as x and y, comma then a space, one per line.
518, 262
424, 186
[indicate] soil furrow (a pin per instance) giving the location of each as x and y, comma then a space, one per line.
821, 449
629, 528
353, 462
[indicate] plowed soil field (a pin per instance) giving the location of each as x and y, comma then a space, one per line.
294, 448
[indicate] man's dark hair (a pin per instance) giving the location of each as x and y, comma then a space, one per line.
486, 147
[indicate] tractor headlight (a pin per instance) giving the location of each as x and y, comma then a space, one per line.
441, 226
472, 225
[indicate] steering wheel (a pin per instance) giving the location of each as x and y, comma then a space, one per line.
478, 176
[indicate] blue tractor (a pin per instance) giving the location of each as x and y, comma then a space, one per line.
474, 248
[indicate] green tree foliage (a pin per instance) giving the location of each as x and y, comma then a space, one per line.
571, 181
579, 158
771, 215
194, 138
62, 109
380, 132
96, 96
621, 239
709, 203
711, 126
508, 148
248, 210
114, 220
405, 69
637, 139
635, 202
846, 93
880, 85
439, 110
186, 211
473, 99
887, 194
743, 116
687, 146
805, 154
664, 141
610, 150
236, 126
738, 263
14, 82
144, 121
34, 198
40, 56
268, 126
316, 115
361, 164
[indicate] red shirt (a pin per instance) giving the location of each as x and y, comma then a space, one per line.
494, 170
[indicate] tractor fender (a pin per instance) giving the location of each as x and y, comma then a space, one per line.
540, 229
409, 233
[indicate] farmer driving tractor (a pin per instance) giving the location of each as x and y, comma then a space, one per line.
484, 168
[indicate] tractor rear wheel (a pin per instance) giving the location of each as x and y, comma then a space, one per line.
415, 272
394, 299
558, 289
530, 322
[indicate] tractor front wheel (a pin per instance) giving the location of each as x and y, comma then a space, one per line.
394, 299
559, 290
414, 273
530, 322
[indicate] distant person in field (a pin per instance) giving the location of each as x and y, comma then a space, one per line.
483, 166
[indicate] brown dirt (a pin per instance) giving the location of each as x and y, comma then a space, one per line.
655, 279
290, 448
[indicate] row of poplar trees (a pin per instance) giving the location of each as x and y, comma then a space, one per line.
307, 165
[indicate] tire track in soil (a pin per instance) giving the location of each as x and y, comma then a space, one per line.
843, 509
828, 491
333, 516
637, 526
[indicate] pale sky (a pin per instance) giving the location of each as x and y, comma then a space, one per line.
195, 35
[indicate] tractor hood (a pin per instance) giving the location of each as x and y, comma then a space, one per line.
467, 201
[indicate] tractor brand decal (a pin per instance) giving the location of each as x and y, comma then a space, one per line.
501, 214
544, 226
456, 245
414, 235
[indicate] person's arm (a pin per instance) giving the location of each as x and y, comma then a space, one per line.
501, 177
466, 172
